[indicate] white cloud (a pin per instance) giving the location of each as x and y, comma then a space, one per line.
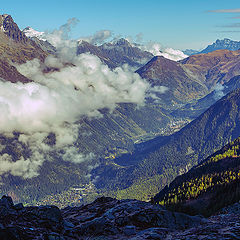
157, 50
155, 91
26, 168
99, 37
218, 91
71, 154
65, 88
235, 10
173, 54
55, 100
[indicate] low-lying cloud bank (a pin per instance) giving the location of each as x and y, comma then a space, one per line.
64, 88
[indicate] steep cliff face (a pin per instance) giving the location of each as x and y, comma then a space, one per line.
15, 48
11, 29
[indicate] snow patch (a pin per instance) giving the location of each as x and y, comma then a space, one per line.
30, 32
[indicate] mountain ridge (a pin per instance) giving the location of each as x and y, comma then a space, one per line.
19, 51
117, 53
182, 85
179, 152
225, 43
222, 44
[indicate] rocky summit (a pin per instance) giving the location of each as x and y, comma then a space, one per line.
105, 218
108, 218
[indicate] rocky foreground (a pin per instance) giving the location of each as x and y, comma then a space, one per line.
108, 218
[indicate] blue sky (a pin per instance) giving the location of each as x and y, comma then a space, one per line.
174, 23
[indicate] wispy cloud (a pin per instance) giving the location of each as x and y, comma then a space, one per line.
229, 31
232, 25
235, 10
236, 17
99, 37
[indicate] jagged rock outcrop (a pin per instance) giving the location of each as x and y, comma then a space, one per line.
15, 48
10, 28
224, 225
19, 222
107, 218
117, 53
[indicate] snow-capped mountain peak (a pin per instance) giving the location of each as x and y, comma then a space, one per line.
30, 32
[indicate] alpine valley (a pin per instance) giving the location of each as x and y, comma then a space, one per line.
134, 135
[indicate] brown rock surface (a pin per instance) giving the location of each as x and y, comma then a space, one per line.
15, 48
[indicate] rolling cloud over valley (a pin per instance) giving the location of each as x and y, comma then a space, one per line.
64, 88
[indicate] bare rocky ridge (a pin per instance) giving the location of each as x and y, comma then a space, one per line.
16, 48
116, 54
183, 85
108, 218
193, 77
122, 52
85, 47
10, 28
215, 67
105, 218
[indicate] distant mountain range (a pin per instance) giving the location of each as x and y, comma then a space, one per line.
114, 54
218, 45
222, 44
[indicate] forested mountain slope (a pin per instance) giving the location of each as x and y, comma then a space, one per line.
208, 187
